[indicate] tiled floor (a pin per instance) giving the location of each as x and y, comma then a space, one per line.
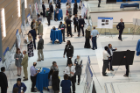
54, 52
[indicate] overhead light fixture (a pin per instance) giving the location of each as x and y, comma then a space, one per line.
18, 8
3, 22
25, 2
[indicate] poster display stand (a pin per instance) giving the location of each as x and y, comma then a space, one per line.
105, 23
136, 22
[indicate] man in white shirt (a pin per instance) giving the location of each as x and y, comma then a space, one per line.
105, 61
70, 71
110, 51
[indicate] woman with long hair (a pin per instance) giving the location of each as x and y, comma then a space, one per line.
30, 45
55, 82
87, 37
18, 59
50, 80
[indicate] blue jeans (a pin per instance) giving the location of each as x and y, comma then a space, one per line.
94, 45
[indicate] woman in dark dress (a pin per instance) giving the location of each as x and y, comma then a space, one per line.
75, 8
87, 38
55, 82
78, 67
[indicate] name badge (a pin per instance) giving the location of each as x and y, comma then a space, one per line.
68, 25
69, 48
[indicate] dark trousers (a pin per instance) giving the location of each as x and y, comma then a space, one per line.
48, 19
43, 13
120, 34
127, 70
34, 44
68, 61
69, 31
3, 89
75, 26
56, 16
33, 79
80, 27
105, 65
63, 34
94, 44
99, 3
73, 80
110, 63
79, 77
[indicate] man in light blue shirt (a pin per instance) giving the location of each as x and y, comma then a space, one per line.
34, 73
94, 34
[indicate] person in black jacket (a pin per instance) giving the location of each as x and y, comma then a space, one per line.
59, 4
75, 8
51, 9
3, 81
75, 22
62, 27
48, 15
99, 3
69, 50
55, 82
68, 21
120, 27
110, 52
33, 33
81, 25
43, 8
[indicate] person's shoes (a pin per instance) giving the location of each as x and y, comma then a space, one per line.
108, 69
99, 6
125, 75
42, 59
93, 49
34, 91
25, 79
112, 69
78, 84
63, 41
105, 75
38, 60
83, 35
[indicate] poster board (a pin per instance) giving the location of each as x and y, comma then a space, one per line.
105, 22
29, 19
36, 8
18, 40
136, 21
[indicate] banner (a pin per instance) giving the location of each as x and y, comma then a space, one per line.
84, 11
18, 39
29, 19
36, 8
89, 74
105, 22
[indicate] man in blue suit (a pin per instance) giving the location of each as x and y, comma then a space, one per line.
110, 52
33, 33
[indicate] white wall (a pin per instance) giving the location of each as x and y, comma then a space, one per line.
126, 15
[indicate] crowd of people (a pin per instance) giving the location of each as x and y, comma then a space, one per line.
72, 69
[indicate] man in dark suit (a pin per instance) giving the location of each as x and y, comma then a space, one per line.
75, 22
59, 4
33, 33
3, 81
62, 27
69, 50
99, 3
110, 52
120, 27
48, 15
68, 21
51, 9
43, 8
81, 25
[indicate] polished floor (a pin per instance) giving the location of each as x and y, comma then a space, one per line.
54, 52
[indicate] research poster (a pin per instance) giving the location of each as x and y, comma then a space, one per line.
18, 39
136, 21
105, 22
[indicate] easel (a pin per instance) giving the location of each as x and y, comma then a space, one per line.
105, 31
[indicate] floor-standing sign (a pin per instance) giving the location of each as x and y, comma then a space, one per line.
36, 8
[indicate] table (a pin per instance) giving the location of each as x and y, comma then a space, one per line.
42, 79
64, 1
60, 15
56, 34
123, 5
